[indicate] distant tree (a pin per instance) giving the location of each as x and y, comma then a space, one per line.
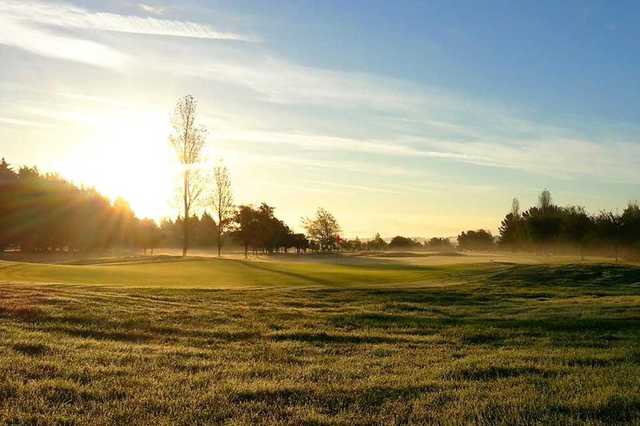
124, 223
544, 200
377, 243
206, 231
259, 229
149, 235
266, 232
282, 237
609, 228
439, 244
246, 218
578, 227
350, 245
356, 244
402, 242
476, 240
300, 243
511, 229
544, 223
188, 140
631, 227
8, 180
323, 228
171, 232
222, 201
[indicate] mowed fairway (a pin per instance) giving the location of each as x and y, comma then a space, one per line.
357, 341
171, 272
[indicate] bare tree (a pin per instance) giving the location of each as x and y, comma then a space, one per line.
188, 140
222, 201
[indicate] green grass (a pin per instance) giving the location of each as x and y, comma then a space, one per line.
169, 272
188, 342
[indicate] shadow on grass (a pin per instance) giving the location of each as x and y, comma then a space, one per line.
31, 349
494, 372
601, 276
326, 338
618, 409
130, 336
338, 400
258, 266
384, 320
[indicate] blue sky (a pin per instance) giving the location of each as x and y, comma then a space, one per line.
411, 117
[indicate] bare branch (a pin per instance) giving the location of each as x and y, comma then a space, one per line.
188, 141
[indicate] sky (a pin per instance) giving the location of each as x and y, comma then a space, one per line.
412, 117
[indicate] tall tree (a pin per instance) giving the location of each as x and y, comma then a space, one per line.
577, 227
222, 201
511, 228
544, 223
323, 228
8, 179
188, 140
246, 219
610, 229
631, 226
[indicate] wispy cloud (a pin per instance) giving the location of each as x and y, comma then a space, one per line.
417, 122
278, 81
558, 157
17, 33
355, 167
152, 9
21, 122
68, 16
334, 143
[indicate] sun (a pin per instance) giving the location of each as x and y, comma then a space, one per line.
127, 155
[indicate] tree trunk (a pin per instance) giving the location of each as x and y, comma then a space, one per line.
185, 223
185, 241
219, 241
246, 251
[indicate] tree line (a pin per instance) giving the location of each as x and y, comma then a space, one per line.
548, 227
43, 212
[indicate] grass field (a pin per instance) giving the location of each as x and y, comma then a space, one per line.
338, 341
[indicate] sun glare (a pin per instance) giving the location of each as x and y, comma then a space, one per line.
129, 157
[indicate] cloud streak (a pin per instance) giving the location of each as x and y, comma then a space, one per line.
69, 16
407, 120
16, 33
333, 143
